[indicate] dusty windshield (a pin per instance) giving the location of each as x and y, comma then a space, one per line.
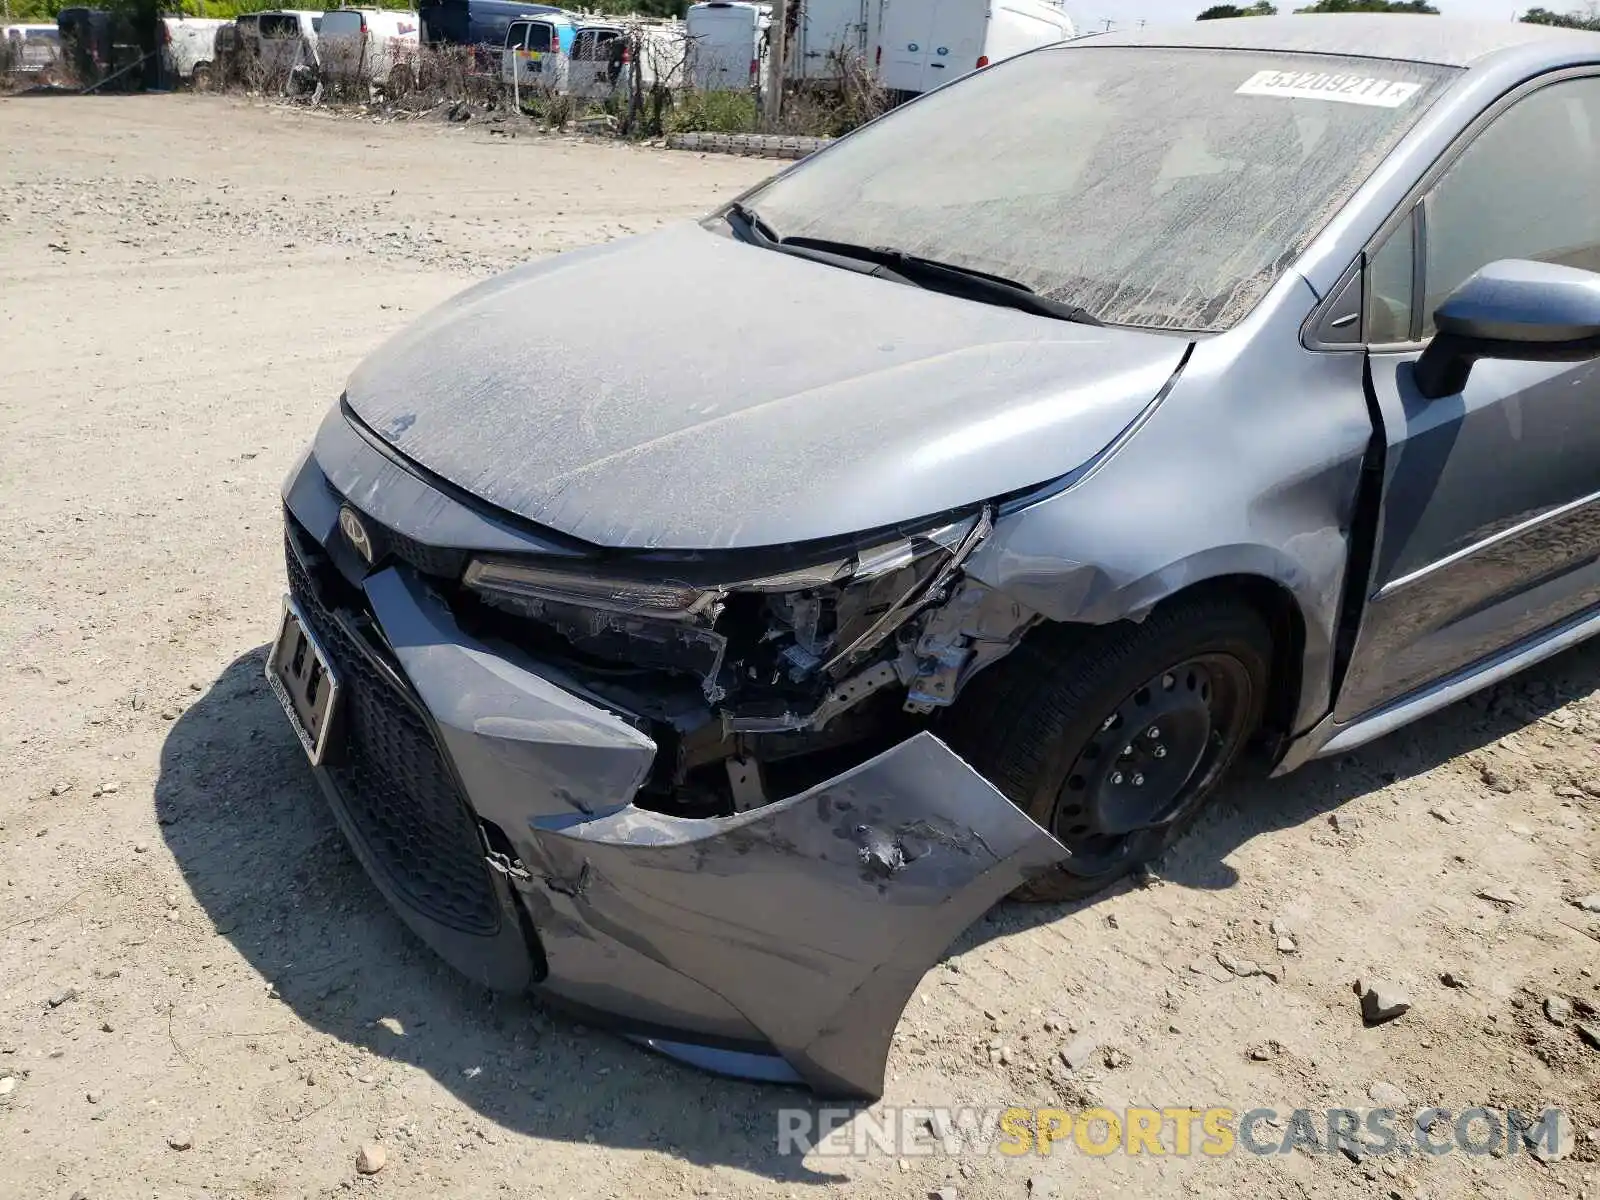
1163, 188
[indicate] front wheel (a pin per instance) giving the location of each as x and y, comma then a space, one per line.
201, 79
1114, 737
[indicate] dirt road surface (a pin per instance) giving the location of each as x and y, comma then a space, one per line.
200, 993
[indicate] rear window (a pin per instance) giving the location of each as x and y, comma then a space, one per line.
280, 26
539, 37
339, 24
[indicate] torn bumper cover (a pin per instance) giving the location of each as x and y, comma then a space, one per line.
490, 800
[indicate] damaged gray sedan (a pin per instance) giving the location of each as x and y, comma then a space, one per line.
704, 628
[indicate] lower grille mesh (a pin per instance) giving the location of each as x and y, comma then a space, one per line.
396, 787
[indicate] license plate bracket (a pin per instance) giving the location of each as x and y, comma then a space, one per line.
301, 675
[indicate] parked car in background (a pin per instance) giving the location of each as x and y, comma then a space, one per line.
189, 49
96, 44
238, 44
1130, 403
33, 50
286, 47
727, 45
375, 46
599, 53
536, 50
829, 29
249, 30
479, 24
922, 46
602, 56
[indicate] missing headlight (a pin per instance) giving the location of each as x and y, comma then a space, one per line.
769, 649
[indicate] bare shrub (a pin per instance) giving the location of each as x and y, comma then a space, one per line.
272, 78
446, 72
833, 108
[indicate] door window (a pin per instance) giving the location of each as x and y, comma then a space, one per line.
280, 26
1524, 188
1389, 276
592, 45
540, 38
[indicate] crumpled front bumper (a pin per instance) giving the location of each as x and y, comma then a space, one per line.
781, 943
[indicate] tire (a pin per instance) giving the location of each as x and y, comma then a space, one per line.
1075, 716
399, 83
200, 80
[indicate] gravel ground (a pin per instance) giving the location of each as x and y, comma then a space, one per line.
200, 994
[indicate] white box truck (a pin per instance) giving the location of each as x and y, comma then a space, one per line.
727, 45
925, 43
827, 29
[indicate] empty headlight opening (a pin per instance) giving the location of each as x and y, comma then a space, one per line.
758, 689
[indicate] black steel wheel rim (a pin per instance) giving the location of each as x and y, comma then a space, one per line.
1151, 760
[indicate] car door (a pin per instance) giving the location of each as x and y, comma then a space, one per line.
1489, 528
510, 54
538, 53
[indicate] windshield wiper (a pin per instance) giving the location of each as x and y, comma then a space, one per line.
952, 277
753, 228
885, 262
751, 225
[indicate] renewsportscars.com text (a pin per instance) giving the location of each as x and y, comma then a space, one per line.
1177, 1131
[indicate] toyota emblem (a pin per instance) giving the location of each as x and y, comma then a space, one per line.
355, 533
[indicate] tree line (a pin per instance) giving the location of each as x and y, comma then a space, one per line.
1589, 18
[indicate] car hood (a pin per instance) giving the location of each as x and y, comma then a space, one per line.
683, 390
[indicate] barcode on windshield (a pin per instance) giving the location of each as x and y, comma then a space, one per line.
1324, 85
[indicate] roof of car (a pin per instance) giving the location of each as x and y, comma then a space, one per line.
1415, 37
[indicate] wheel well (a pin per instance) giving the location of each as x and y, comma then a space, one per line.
1277, 607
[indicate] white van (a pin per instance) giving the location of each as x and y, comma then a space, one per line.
189, 49
373, 45
727, 45
598, 60
30, 49
925, 43
287, 44
601, 59
535, 52
829, 29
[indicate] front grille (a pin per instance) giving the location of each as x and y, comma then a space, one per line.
396, 787
429, 560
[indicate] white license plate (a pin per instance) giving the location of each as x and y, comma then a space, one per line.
301, 676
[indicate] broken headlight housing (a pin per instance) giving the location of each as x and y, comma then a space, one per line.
531, 584
769, 645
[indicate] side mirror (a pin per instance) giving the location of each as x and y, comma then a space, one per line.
1511, 309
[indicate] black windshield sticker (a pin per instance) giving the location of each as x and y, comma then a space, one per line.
1325, 85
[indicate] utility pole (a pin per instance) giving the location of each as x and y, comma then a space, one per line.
777, 53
